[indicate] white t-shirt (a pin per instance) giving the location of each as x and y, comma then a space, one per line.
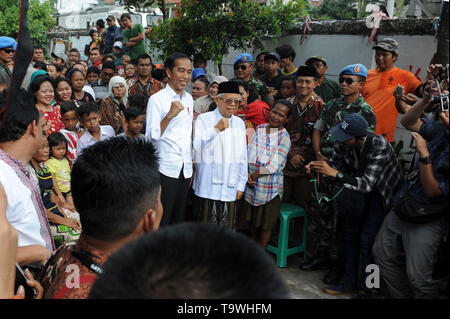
20, 210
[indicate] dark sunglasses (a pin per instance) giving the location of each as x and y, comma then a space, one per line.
347, 80
8, 51
242, 67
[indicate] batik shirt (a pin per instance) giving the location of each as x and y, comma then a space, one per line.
300, 126
334, 112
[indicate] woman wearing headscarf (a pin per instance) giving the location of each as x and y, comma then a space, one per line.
113, 105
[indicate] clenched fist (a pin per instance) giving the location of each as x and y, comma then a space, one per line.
223, 124
175, 108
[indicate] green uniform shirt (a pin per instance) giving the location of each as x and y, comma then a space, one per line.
328, 90
334, 112
139, 48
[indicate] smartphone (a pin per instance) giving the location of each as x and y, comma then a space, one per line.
400, 91
21, 279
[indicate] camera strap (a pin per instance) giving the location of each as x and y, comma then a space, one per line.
86, 259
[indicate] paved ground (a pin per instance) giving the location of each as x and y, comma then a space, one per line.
305, 284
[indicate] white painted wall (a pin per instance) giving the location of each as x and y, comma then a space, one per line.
342, 50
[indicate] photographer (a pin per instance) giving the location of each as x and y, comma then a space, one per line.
413, 230
366, 167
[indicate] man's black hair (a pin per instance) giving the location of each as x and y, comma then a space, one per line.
96, 48
184, 261
158, 74
125, 15
109, 65
40, 66
261, 53
100, 23
286, 103
138, 101
286, 51
132, 113
204, 80
171, 60
144, 56
20, 113
291, 78
114, 183
68, 106
75, 50
55, 139
198, 58
39, 47
93, 69
91, 33
88, 108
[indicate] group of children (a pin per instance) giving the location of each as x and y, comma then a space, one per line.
52, 164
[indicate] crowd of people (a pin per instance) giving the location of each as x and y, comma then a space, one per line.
228, 153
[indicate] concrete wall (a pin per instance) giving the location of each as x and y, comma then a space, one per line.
341, 50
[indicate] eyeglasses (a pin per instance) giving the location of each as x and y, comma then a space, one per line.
231, 101
349, 81
8, 51
242, 67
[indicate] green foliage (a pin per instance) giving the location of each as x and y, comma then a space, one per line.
40, 19
212, 27
339, 10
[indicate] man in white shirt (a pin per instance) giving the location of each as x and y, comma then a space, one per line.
169, 127
220, 150
21, 136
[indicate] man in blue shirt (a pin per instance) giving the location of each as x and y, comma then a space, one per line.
113, 34
403, 240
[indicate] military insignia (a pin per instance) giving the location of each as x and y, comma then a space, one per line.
244, 58
356, 69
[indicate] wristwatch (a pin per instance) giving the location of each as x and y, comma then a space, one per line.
425, 160
339, 175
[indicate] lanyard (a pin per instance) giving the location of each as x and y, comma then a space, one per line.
300, 114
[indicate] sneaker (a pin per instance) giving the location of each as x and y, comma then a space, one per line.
338, 290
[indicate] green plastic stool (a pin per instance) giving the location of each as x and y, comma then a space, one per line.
287, 213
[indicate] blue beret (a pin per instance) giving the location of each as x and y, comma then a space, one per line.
6, 42
243, 58
198, 72
355, 69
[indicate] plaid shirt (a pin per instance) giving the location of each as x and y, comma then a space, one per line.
376, 167
267, 153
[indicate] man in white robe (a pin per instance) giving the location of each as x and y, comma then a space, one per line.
220, 156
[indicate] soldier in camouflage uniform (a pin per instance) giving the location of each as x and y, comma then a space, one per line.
243, 68
326, 225
7, 48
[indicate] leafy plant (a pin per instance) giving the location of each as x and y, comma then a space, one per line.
40, 19
211, 28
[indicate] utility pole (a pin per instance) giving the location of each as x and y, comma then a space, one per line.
442, 37
163, 8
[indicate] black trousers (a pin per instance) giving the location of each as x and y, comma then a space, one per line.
174, 192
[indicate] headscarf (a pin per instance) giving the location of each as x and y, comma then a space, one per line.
116, 80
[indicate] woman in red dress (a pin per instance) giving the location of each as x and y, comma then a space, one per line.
42, 89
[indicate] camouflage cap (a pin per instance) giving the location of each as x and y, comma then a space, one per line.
388, 44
